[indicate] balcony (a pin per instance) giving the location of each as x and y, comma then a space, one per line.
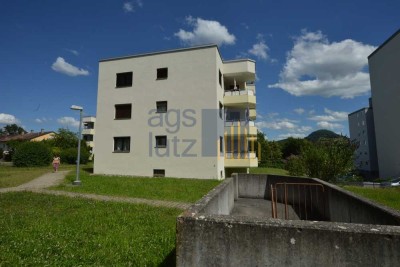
243, 68
240, 160
246, 128
240, 98
88, 131
252, 114
90, 144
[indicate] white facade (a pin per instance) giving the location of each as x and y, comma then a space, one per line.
163, 113
362, 134
384, 68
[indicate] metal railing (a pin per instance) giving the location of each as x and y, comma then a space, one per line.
239, 123
235, 92
305, 199
240, 155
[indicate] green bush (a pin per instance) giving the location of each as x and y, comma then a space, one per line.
69, 155
32, 154
295, 166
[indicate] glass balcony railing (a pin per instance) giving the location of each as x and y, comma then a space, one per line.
241, 123
237, 92
240, 155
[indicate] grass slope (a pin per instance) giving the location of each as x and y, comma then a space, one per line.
43, 230
13, 176
387, 196
262, 170
173, 189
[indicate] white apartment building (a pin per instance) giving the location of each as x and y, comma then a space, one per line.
362, 134
180, 113
384, 69
88, 131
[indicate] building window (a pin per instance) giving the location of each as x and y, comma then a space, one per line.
221, 144
220, 78
233, 116
162, 73
122, 144
161, 141
220, 109
123, 111
124, 79
162, 106
159, 173
88, 138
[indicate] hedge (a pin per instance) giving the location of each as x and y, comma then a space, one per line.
32, 154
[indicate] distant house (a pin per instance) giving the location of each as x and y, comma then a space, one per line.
88, 131
33, 137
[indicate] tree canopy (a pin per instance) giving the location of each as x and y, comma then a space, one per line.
11, 129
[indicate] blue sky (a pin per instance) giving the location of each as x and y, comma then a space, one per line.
311, 55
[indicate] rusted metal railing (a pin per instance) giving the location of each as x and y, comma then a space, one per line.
302, 197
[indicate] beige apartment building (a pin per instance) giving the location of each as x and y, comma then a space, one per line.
180, 113
384, 69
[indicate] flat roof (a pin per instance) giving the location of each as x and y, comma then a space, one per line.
384, 43
176, 51
354, 112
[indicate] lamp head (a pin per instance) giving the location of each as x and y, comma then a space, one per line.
75, 107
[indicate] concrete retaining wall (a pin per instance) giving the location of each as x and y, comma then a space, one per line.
218, 201
228, 241
208, 236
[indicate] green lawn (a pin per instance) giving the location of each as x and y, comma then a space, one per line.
387, 196
173, 189
13, 176
44, 230
266, 170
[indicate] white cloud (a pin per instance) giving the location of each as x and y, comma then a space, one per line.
130, 7
299, 110
8, 119
72, 51
205, 32
329, 125
331, 116
259, 50
304, 129
294, 135
41, 120
282, 124
315, 66
60, 65
68, 121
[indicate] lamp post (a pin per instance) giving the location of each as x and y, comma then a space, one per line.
74, 107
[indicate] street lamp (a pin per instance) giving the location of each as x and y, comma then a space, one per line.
74, 107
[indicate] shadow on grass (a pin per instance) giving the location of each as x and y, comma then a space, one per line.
170, 260
88, 169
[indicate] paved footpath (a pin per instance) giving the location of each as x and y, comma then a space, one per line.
40, 184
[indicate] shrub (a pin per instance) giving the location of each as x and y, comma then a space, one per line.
69, 155
32, 154
295, 166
